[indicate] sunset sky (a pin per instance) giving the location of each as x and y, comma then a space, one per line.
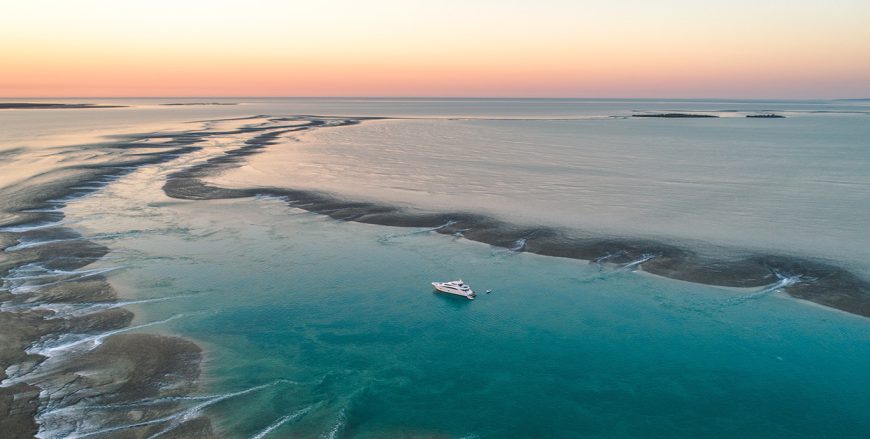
522, 48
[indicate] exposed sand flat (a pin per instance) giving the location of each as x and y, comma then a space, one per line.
812, 280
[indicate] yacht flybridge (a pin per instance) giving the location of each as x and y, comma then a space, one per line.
457, 287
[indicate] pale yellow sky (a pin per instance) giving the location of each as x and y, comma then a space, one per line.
674, 48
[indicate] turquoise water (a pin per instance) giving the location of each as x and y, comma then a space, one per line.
561, 348
320, 328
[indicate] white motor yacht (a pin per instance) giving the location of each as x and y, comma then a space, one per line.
457, 287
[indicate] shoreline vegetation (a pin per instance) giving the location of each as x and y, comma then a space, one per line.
111, 368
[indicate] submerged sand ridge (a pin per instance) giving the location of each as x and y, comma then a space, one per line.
73, 365
802, 278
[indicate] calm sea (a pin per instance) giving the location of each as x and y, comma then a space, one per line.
314, 327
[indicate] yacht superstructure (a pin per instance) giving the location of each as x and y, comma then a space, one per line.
457, 287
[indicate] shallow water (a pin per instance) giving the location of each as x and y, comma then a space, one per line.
797, 185
560, 348
320, 328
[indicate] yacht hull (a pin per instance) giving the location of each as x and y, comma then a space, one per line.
440, 287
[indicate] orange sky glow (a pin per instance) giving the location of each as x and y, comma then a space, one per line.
547, 48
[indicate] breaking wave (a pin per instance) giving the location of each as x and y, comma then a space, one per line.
79, 342
387, 238
31, 277
337, 427
785, 280
174, 420
281, 421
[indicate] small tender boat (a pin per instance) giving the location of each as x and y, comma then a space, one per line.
457, 287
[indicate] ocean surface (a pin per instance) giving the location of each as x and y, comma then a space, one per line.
317, 327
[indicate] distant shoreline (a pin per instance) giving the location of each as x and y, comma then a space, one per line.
676, 115
39, 106
182, 104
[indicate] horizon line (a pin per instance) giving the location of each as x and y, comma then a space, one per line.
444, 98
